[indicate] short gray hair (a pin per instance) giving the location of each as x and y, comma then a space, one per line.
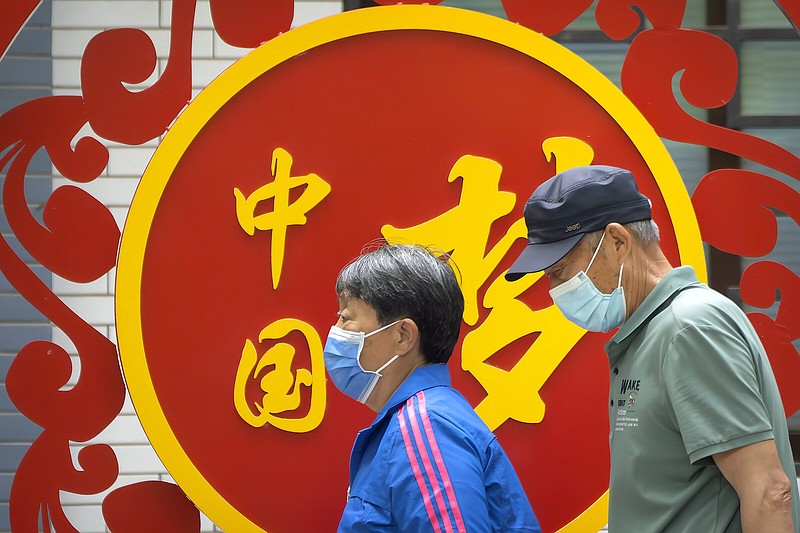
409, 281
644, 231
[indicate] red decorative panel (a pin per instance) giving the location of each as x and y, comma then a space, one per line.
414, 123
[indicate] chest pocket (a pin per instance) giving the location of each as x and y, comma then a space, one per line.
362, 515
371, 483
370, 492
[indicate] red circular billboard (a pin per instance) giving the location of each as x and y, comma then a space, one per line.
406, 123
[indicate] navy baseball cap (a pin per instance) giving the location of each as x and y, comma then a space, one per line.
570, 204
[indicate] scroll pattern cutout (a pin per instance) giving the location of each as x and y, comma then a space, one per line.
745, 223
77, 240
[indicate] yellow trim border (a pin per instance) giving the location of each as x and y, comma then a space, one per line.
282, 48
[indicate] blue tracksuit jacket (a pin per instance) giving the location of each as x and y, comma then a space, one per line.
429, 463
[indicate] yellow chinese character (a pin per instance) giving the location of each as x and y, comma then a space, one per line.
281, 387
283, 213
464, 229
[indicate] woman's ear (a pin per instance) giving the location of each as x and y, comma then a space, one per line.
408, 340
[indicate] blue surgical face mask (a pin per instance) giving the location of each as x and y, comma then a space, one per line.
583, 304
343, 360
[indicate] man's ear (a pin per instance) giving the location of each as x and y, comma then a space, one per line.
622, 239
409, 336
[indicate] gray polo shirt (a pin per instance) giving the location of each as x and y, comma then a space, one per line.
689, 379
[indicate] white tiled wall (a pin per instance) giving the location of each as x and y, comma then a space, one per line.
74, 24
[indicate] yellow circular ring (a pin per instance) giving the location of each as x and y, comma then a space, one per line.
287, 46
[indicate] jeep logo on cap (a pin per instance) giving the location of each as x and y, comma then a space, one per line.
573, 227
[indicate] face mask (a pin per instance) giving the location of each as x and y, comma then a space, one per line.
583, 304
342, 359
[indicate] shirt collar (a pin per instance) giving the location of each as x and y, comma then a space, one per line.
675, 281
424, 377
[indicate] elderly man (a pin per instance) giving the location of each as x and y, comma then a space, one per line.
427, 462
699, 441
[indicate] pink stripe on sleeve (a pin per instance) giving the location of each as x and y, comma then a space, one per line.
423, 488
437, 456
426, 461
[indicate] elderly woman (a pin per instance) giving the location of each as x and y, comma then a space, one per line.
427, 462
